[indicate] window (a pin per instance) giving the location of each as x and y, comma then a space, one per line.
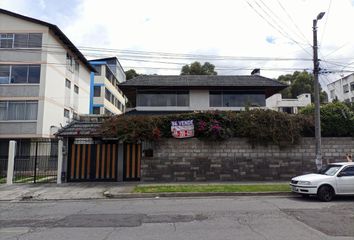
332, 94
69, 62
76, 89
66, 113
163, 98
96, 110
98, 70
236, 99
67, 83
345, 88
4, 74
18, 110
14, 74
75, 116
352, 86
77, 66
349, 171
96, 91
6, 40
21, 40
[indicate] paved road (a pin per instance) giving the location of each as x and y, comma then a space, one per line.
179, 218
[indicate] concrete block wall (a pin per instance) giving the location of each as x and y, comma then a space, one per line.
176, 160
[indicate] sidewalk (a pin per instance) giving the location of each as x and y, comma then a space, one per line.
65, 191
104, 190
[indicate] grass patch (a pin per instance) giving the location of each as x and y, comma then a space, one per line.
213, 188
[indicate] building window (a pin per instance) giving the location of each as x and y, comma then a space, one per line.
345, 88
236, 99
66, 113
98, 70
96, 91
163, 98
23, 74
332, 94
96, 110
18, 110
77, 66
352, 86
75, 116
21, 40
67, 83
69, 62
76, 89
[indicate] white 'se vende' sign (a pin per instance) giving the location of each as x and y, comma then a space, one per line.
182, 129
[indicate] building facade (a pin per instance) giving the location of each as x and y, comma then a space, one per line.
106, 97
162, 94
277, 103
342, 89
44, 79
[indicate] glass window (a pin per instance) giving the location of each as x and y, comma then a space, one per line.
19, 74
77, 66
345, 88
34, 73
352, 86
21, 40
96, 110
163, 98
98, 69
35, 40
6, 40
76, 89
17, 111
349, 171
66, 113
67, 83
31, 110
236, 99
4, 74
96, 91
3, 110
215, 99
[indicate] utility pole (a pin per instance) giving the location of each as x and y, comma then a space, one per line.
316, 70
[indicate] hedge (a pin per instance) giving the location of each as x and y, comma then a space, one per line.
258, 126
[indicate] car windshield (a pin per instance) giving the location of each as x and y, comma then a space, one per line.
330, 170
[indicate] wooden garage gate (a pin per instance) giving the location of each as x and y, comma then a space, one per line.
93, 162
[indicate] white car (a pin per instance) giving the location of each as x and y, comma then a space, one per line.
333, 179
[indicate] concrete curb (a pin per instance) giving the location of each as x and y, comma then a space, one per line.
108, 194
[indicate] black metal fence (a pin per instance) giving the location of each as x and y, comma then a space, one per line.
36, 161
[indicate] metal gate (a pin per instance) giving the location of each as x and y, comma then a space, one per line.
93, 162
132, 162
36, 161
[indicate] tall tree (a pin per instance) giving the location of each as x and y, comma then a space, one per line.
299, 83
196, 68
131, 73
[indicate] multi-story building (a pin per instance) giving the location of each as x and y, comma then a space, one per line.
44, 78
288, 105
106, 97
342, 89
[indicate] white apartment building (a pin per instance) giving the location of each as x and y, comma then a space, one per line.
106, 97
44, 78
288, 105
342, 89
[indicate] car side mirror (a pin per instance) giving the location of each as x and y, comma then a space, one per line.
341, 174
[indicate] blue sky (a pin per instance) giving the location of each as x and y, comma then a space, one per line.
265, 30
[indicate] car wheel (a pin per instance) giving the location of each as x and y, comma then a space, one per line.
325, 193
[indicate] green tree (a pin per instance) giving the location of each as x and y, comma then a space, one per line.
131, 73
299, 83
196, 68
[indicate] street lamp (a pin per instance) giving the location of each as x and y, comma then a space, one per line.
317, 93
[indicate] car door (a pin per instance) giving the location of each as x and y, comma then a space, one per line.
345, 180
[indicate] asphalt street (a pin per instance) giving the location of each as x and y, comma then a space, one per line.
251, 217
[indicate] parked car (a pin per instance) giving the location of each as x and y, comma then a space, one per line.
333, 179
